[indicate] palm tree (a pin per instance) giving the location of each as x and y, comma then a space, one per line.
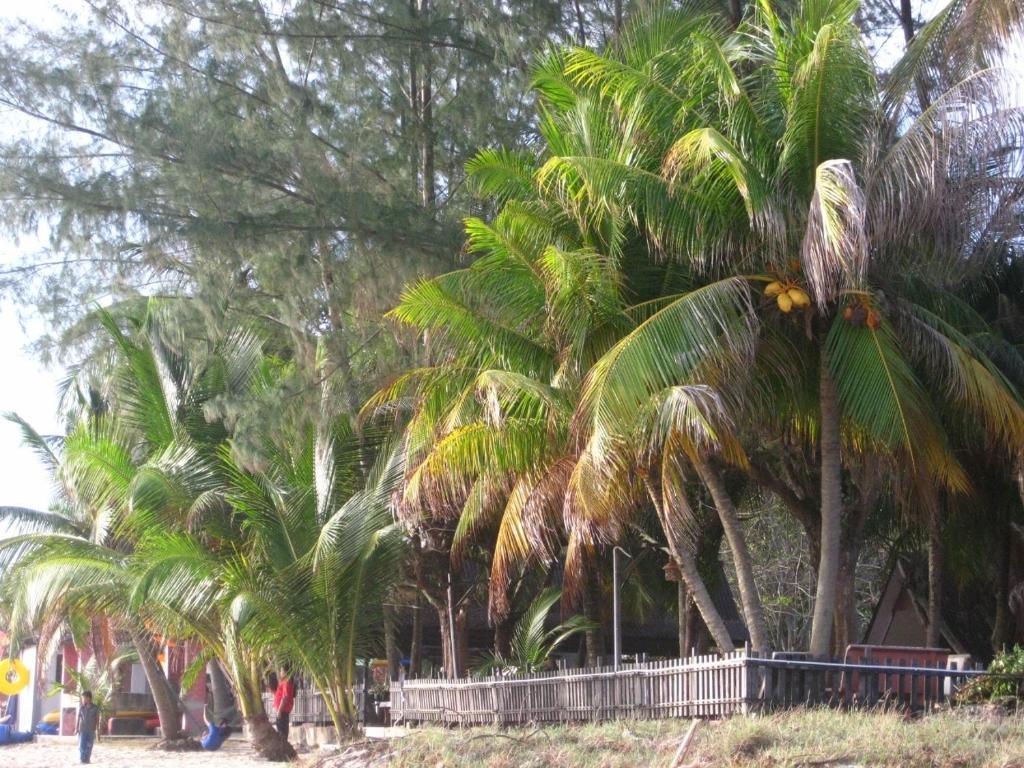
487, 433
153, 475
69, 562
287, 559
489, 427
748, 148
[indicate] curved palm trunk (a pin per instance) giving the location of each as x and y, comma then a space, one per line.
831, 514
245, 676
267, 741
753, 611
223, 697
687, 564
683, 610
163, 697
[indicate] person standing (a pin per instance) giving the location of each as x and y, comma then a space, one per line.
88, 724
284, 700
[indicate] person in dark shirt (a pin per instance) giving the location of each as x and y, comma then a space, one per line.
284, 700
88, 724
216, 735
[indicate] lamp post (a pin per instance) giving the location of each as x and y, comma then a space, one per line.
616, 608
451, 628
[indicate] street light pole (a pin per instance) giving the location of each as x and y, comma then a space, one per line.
616, 608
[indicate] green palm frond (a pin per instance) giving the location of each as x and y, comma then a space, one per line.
712, 327
431, 306
46, 448
830, 99
532, 643
24, 520
502, 174
483, 504
965, 375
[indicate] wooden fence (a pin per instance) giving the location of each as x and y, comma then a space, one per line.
696, 687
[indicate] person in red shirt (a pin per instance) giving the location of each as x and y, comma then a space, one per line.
284, 700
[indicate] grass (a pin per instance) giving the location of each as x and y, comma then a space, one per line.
802, 738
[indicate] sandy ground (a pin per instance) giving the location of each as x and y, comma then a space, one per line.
125, 753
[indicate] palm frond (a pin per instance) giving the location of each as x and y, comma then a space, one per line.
834, 251
710, 327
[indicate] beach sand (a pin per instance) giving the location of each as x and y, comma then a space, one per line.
125, 753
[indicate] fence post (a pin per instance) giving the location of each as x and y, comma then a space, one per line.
744, 684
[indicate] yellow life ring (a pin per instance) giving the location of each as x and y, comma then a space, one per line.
13, 677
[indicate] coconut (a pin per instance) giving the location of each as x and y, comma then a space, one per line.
773, 289
785, 303
799, 298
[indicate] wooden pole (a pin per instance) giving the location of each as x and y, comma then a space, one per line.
684, 745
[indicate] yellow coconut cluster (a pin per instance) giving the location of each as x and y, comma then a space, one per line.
787, 296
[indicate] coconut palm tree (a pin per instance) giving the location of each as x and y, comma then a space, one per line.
258, 561
153, 474
61, 565
306, 580
490, 430
815, 208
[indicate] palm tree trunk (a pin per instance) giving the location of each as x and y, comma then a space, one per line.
163, 697
394, 656
267, 742
462, 639
503, 636
244, 673
1001, 626
683, 555
416, 644
846, 625
223, 698
592, 611
831, 514
933, 638
753, 611
683, 607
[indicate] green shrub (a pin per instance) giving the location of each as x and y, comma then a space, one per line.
994, 685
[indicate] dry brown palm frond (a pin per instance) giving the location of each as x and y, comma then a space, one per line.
512, 550
961, 148
834, 252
